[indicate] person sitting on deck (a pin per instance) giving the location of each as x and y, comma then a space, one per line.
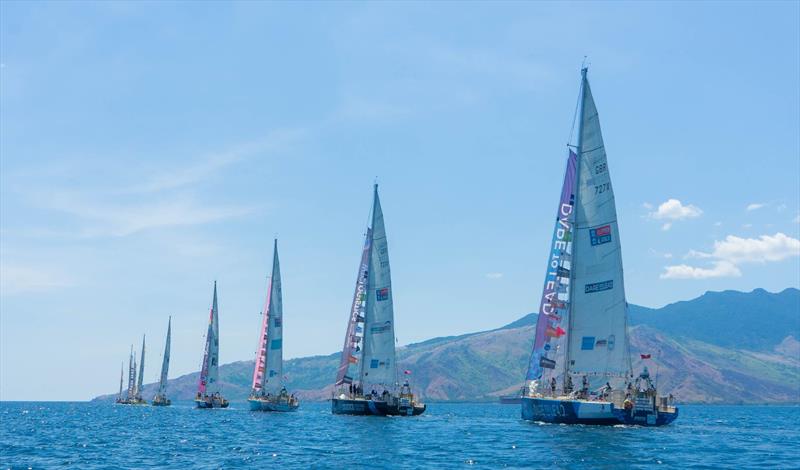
584, 387
385, 395
553, 386
568, 386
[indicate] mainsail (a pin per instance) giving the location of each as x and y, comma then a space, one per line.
268, 373
131, 375
162, 384
378, 362
121, 368
355, 326
209, 373
141, 373
583, 302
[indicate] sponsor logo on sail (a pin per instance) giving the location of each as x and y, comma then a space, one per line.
382, 294
598, 287
600, 235
587, 343
387, 325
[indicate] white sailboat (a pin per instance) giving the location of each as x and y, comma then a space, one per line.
161, 396
581, 332
268, 392
208, 387
119, 395
366, 381
140, 380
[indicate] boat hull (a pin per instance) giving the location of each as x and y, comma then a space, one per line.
131, 402
265, 405
203, 404
362, 407
563, 411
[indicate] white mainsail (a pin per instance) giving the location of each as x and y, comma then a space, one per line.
272, 377
209, 374
121, 368
597, 341
140, 381
378, 361
162, 384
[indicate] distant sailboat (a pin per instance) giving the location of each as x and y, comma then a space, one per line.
132, 396
208, 389
121, 369
268, 392
581, 332
366, 381
161, 396
140, 380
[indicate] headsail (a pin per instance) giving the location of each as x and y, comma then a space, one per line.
554, 304
598, 315
141, 373
273, 376
355, 326
162, 384
260, 367
378, 363
209, 373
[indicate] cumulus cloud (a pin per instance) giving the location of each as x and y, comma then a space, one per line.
733, 251
684, 271
672, 210
755, 206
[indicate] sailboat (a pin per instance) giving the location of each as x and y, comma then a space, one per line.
581, 332
208, 389
161, 396
121, 369
366, 381
268, 392
133, 394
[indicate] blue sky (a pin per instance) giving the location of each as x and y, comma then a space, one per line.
147, 149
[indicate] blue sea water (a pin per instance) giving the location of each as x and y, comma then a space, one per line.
101, 435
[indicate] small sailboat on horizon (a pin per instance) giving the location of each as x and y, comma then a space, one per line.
366, 381
268, 392
581, 331
208, 387
161, 396
134, 393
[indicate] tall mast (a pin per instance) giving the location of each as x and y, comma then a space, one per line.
579, 152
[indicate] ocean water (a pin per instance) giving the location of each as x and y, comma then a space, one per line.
95, 435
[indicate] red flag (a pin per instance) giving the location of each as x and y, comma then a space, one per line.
645, 356
407, 372
555, 332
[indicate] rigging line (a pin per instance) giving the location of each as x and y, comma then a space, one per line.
575, 115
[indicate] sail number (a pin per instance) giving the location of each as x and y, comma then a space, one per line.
600, 189
600, 168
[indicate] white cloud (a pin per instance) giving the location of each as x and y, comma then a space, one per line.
754, 206
796, 219
733, 251
122, 219
16, 279
673, 210
647, 206
494, 275
763, 249
684, 271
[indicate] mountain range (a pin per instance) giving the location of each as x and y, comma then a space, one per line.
722, 347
